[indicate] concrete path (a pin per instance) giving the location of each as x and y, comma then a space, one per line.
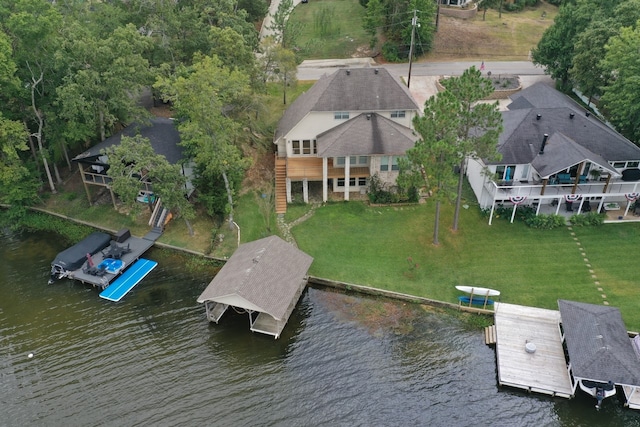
264, 31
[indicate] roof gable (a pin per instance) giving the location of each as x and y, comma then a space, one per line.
353, 89
366, 134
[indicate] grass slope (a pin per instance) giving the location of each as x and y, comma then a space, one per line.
372, 246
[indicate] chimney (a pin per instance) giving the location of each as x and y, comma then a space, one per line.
571, 115
544, 142
368, 116
538, 116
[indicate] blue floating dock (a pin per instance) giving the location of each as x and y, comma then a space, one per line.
131, 277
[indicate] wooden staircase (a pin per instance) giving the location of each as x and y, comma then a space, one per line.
281, 185
490, 335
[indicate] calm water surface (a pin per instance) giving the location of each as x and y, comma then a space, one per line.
154, 360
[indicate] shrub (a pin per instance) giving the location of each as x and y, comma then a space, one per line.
546, 222
588, 219
390, 52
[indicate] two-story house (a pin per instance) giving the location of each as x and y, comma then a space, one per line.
349, 126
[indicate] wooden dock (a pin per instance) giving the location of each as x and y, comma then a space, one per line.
544, 370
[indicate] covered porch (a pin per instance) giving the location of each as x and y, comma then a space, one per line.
302, 170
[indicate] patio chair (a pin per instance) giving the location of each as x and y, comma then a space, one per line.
568, 206
586, 206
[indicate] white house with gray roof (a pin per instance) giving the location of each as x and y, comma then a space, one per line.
555, 153
349, 126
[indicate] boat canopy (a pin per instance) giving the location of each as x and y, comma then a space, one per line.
74, 257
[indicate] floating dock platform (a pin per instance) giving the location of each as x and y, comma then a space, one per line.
137, 246
529, 350
128, 280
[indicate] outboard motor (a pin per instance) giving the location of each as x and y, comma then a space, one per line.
599, 397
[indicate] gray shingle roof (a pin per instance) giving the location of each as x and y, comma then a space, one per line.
523, 132
598, 345
355, 89
366, 134
266, 272
161, 132
561, 152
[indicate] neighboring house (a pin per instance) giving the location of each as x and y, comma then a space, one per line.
164, 138
555, 153
349, 126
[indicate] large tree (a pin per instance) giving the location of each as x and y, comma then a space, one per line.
133, 159
393, 19
430, 163
478, 126
103, 81
209, 98
620, 98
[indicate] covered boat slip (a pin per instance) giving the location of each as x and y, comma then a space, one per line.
529, 350
265, 279
599, 347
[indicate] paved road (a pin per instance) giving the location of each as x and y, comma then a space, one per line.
314, 69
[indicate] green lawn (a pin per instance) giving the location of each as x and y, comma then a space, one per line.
330, 28
358, 244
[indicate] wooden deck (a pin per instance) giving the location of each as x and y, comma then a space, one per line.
299, 168
544, 371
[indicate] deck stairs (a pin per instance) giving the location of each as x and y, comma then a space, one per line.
281, 185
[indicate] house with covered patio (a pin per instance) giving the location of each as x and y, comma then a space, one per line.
556, 155
351, 125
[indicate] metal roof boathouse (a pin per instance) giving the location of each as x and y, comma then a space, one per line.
266, 277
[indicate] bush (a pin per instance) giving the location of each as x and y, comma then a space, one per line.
380, 194
588, 219
546, 222
390, 52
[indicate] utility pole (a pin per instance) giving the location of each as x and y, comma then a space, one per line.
414, 22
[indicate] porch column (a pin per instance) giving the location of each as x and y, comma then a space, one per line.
288, 182
606, 185
305, 190
325, 179
493, 206
347, 172
544, 186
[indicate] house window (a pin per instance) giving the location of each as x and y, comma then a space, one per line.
633, 164
306, 146
400, 114
505, 172
384, 164
362, 182
340, 182
295, 147
340, 161
363, 160
394, 163
341, 115
352, 182
619, 165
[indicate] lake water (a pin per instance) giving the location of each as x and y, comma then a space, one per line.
154, 360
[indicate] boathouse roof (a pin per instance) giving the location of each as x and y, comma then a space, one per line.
265, 275
598, 344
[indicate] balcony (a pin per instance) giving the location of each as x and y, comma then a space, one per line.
299, 168
615, 190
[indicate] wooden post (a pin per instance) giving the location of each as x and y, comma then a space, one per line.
84, 182
544, 186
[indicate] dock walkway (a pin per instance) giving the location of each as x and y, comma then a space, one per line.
544, 370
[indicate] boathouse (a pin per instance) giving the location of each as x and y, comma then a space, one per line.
263, 278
